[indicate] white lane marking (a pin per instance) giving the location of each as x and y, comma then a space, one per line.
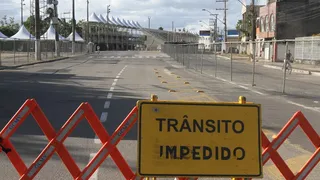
154, 56
117, 77
97, 140
118, 56
107, 105
104, 116
303, 106
317, 102
95, 174
243, 87
109, 96
112, 57
140, 56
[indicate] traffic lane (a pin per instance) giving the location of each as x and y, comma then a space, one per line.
138, 82
59, 94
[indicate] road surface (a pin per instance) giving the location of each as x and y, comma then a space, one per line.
112, 82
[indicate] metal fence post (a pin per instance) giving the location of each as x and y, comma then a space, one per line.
285, 69
14, 51
231, 63
183, 50
202, 48
0, 52
196, 54
215, 56
254, 62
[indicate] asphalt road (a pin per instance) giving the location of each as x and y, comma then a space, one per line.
112, 82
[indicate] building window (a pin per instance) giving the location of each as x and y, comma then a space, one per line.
272, 23
267, 23
258, 23
262, 24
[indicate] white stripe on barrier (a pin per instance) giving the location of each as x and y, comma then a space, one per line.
285, 134
310, 165
15, 122
123, 129
40, 161
70, 125
265, 156
90, 169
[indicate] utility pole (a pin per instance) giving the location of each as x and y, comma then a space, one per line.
73, 29
88, 26
37, 31
22, 4
253, 21
253, 37
149, 21
225, 20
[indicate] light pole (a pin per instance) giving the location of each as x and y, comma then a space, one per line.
88, 27
149, 21
108, 12
73, 29
22, 4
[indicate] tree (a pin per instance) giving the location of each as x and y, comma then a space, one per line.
30, 25
245, 26
160, 28
8, 27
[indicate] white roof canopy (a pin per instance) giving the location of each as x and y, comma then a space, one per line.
94, 18
102, 19
23, 34
51, 34
78, 38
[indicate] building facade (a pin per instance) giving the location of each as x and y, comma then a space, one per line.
285, 19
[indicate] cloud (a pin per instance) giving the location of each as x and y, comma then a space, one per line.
184, 13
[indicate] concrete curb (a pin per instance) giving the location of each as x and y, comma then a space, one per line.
33, 63
315, 73
300, 71
223, 57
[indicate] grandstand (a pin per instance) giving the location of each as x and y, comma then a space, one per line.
112, 33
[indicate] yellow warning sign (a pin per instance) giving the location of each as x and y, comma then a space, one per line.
187, 139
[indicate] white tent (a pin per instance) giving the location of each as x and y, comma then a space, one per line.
102, 19
78, 38
23, 34
2, 36
51, 34
94, 18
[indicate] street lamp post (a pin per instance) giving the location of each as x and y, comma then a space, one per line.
22, 4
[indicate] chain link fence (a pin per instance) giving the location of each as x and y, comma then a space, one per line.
258, 64
16, 52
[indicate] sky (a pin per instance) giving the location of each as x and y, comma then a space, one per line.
185, 13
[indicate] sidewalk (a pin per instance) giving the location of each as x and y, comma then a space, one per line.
7, 61
297, 68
